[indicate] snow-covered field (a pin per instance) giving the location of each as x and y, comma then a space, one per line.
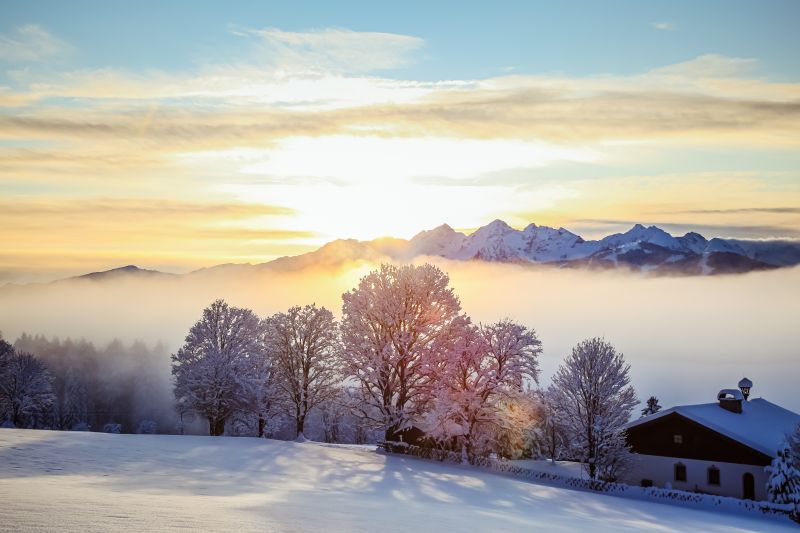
93, 482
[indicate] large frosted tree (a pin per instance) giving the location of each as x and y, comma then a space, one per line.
221, 367
477, 381
391, 323
593, 394
303, 344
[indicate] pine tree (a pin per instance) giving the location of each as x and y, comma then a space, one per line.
75, 405
783, 485
652, 406
793, 440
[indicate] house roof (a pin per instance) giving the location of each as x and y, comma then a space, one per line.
761, 425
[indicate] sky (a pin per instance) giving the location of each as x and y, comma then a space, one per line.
186, 134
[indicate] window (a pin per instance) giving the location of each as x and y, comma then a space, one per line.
713, 475
680, 472
677, 439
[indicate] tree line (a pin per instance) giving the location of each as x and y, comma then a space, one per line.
75, 385
406, 361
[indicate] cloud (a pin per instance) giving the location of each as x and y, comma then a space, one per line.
777, 210
77, 233
335, 49
700, 101
139, 207
707, 67
709, 231
664, 26
30, 43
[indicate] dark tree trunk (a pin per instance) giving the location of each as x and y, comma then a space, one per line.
301, 422
216, 427
261, 424
391, 434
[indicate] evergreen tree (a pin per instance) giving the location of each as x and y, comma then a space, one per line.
783, 485
793, 440
652, 406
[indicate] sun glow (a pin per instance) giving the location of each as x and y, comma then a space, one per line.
399, 186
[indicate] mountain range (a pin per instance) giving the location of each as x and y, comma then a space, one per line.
640, 249
644, 249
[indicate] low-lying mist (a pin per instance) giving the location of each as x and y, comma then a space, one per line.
685, 337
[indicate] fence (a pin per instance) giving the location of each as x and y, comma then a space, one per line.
706, 501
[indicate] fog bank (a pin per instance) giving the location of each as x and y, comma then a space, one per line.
685, 338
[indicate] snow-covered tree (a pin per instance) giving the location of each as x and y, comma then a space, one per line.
112, 427
548, 439
75, 411
783, 484
361, 429
651, 407
303, 344
147, 427
593, 393
6, 353
26, 390
333, 414
185, 414
476, 384
517, 415
220, 367
390, 327
793, 440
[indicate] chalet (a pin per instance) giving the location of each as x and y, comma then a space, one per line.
714, 448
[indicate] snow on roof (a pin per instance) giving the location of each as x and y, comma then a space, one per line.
761, 425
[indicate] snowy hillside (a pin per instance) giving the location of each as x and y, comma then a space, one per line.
92, 482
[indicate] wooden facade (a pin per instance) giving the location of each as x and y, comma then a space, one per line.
676, 436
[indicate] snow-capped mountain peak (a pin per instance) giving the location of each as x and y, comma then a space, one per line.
694, 242
442, 240
721, 245
638, 234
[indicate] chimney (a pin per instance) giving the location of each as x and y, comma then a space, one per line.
745, 385
730, 400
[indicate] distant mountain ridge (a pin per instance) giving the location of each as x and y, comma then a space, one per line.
640, 249
644, 249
